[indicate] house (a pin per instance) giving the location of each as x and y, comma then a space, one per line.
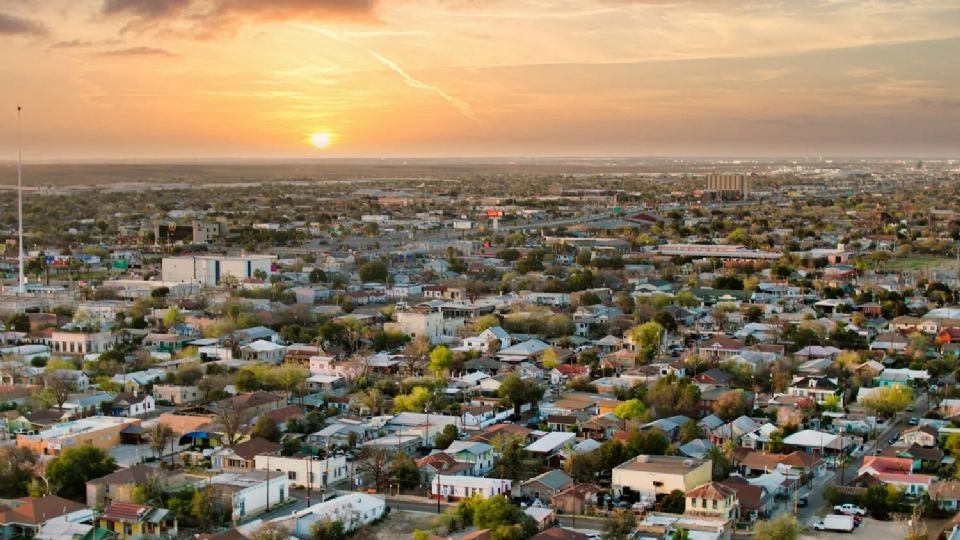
305, 470
353, 510
176, 394
544, 486
442, 463
720, 347
250, 492
81, 343
755, 501
576, 498
263, 351
462, 487
488, 340
546, 448
118, 486
924, 436
817, 387
129, 521
75, 378
897, 472
478, 454
556, 533
23, 517
889, 341
527, 350
712, 500
659, 475
946, 494
132, 404
241, 456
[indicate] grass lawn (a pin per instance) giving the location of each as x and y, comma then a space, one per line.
917, 262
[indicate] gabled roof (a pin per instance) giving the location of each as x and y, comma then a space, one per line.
35, 510
136, 474
554, 479
712, 491
253, 447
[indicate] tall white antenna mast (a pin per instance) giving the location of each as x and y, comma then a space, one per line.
21, 286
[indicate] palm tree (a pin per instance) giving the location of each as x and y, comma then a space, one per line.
720, 462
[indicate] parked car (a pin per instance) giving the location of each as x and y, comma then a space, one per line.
913, 421
849, 509
893, 440
803, 501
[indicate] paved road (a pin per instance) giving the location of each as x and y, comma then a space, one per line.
816, 495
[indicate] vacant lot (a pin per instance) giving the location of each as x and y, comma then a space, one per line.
400, 524
871, 529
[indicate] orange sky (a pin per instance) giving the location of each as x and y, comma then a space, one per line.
255, 78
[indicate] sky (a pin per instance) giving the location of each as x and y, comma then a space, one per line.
185, 79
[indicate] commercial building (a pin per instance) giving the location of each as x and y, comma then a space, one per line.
98, 431
462, 487
209, 270
729, 186
649, 476
353, 510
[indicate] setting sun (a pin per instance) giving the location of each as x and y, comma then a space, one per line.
320, 140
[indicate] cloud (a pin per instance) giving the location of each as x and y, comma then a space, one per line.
13, 25
465, 108
205, 18
137, 51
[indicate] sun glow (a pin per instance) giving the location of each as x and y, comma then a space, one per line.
320, 140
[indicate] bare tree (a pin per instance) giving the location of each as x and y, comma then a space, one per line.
233, 419
415, 354
376, 462
160, 436
58, 388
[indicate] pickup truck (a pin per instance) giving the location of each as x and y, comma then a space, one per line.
835, 522
849, 510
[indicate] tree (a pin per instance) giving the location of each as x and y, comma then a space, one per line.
317, 276
889, 400
549, 360
720, 462
730, 405
687, 299
232, 419
782, 527
69, 472
620, 525
328, 529
16, 470
173, 317
207, 507
674, 502
376, 463
19, 322
440, 360
160, 436
266, 428
647, 339
415, 353
513, 461
412, 402
517, 392
690, 431
58, 388
404, 471
497, 512
629, 410
374, 270
446, 437
831, 403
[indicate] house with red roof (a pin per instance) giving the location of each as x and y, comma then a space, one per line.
130, 521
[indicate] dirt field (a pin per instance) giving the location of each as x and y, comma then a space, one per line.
400, 525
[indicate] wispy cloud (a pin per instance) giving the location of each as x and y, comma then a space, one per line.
13, 25
137, 51
465, 108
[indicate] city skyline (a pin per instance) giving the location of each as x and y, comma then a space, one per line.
192, 79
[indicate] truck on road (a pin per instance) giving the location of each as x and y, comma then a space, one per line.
836, 522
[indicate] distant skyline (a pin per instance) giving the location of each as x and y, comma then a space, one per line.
289, 79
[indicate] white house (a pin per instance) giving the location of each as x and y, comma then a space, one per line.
134, 404
354, 510
482, 341
250, 492
303, 471
462, 487
263, 351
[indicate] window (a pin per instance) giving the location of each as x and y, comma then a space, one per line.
714, 504
292, 475
693, 503
703, 503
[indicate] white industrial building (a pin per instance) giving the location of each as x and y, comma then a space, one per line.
209, 270
252, 492
303, 471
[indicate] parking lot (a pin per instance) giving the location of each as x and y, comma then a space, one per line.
870, 528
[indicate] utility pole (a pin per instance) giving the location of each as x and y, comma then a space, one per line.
21, 286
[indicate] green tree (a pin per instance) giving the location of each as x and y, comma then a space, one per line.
446, 437
207, 508
687, 299
620, 525
404, 470
549, 360
373, 271
782, 527
412, 402
69, 472
719, 461
441, 358
647, 339
16, 470
19, 322
889, 400
517, 392
674, 502
329, 530
631, 409
172, 317
266, 428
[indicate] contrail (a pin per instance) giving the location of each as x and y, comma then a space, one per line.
462, 106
